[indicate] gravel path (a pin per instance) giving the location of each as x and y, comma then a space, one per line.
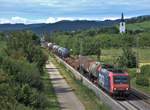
65, 95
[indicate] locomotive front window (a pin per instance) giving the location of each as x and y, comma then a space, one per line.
120, 79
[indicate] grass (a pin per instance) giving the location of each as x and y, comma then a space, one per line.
109, 55
85, 95
49, 92
139, 26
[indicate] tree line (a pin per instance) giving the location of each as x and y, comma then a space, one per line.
90, 37
92, 41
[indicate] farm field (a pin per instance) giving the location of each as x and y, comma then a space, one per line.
139, 26
109, 55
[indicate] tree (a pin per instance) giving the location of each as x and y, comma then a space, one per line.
24, 45
127, 58
97, 49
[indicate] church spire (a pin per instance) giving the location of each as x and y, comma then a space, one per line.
122, 24
122, 17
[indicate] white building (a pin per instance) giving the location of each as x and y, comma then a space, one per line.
122, 25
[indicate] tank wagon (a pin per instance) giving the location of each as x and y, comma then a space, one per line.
58, 50
63, 52
90, 67
50, 45
74, 62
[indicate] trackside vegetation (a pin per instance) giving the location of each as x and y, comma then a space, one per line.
143, 79
86, 96
23, 82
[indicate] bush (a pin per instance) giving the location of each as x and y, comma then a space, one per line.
142, 80
40, 58
145, 70
39, 101
127, 58
23, 72
132, 72
8, 103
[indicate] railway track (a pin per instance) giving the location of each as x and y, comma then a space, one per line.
134, 103
140, 95
127, 105
136, 100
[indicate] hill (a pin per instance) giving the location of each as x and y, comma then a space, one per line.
58, 26
69, 25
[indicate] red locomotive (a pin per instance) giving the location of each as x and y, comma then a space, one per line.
115, 81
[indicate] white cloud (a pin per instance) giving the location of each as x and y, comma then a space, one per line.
18, 19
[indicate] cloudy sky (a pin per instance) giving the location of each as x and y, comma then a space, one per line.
49, 11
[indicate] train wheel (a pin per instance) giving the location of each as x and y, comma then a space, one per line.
96, 82
90, 77
111, 94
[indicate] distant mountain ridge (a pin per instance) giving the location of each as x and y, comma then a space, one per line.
67, 25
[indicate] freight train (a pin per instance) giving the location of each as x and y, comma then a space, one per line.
114, 81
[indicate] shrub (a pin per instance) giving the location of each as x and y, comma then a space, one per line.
132, 72
39, 101
145, 70
128, 58
31, 97
23, 72
142, 80
40, 57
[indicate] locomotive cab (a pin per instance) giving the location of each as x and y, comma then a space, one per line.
114, 81
120, 84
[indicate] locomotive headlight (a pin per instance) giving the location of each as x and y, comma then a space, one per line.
114, 88
127, 88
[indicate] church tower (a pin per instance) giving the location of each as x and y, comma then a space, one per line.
122, 24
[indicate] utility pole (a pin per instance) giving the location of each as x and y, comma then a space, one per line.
137, 54
81, 50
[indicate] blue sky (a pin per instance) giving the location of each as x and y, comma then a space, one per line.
49, 11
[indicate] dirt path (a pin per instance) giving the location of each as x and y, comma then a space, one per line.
65, 95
